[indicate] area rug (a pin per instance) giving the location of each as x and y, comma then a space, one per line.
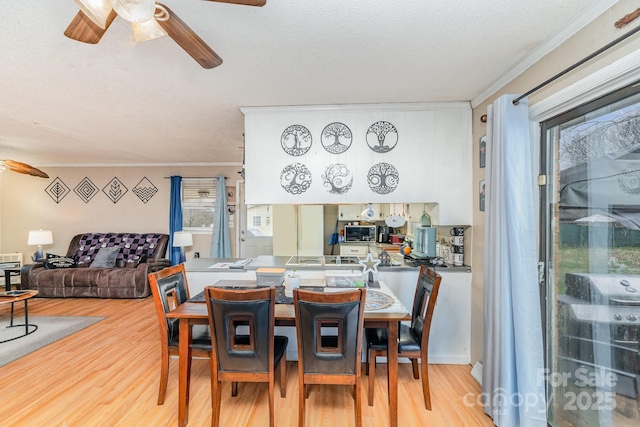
50, 329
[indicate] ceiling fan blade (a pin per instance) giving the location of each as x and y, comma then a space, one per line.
245, 2
187, 38
23, 168
85, 30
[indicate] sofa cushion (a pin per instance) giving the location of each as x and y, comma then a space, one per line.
106, 257
59, 261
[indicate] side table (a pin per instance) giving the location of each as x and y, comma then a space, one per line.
12, 297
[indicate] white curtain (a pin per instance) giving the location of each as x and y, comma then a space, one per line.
513, 351
221, 238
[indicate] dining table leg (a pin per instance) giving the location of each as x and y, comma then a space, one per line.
184, 372
392, 371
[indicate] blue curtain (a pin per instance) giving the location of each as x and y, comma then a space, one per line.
175, 217
221, 238
513, 350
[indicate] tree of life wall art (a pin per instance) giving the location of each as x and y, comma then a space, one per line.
296, 140
336, 138
295, 178
382, 137
337, 179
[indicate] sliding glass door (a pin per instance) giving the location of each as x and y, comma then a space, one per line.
591, 214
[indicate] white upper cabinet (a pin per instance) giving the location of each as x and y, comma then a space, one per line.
354, 212
359, 154
349, 212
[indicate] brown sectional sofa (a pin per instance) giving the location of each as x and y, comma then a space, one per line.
139, 255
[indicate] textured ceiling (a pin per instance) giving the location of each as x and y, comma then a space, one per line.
120, 102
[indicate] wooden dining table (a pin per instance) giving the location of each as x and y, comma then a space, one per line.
195, 313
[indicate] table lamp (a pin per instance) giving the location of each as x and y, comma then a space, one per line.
182, 239
39, 238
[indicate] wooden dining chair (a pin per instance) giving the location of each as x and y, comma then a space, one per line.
170, 289
245, 349
414, 339
329, 330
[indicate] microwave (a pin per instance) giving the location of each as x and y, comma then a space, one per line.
360, 233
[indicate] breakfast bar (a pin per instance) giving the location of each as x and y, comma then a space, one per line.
450, 337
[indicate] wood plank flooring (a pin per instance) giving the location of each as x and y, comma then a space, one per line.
107, 375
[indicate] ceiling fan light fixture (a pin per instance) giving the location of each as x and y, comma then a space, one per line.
148, 30
134, 10
96, 10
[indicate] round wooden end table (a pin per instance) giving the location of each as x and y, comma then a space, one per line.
12, 297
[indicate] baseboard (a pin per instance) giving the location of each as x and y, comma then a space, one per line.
476, 372
434, 360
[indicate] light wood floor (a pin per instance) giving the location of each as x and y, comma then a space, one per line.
107, 375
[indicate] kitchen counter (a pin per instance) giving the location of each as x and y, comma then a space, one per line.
268, 261
451, 325
205, 264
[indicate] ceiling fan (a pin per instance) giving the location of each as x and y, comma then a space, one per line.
149, 20
22, 168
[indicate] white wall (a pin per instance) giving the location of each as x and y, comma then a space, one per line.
591, 38
431, 154
26, 206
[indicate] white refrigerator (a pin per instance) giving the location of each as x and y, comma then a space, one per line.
298, 230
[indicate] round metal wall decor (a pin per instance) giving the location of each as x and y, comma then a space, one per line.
382, 137
296, 140
337, 179
336, 138
295, 178
383, 178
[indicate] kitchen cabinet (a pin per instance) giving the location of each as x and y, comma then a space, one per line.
382, 211
354, 250
349, 212
354, 212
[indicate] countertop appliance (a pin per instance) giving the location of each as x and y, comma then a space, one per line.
360, 233
424, 241
383, 234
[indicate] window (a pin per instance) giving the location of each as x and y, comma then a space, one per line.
258, 220
198, 202
592, 248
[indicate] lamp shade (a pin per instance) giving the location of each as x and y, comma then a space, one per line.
147, 30
96, 10
40, 237
182, 239
134, 10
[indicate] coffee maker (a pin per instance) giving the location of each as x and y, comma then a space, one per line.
424, 241
383, 234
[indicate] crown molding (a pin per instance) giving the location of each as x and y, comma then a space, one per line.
395, 106
621, 73
138, 165
590, 13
